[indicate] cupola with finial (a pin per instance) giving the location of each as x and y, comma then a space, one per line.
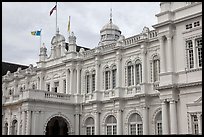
109, 32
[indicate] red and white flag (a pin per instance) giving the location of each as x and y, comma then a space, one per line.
54, 8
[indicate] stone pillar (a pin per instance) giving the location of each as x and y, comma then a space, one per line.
9, 123
28, 125
97, 65
78, 79
19, 121
119, 122
23, 122
41, 81
97, 123
169, 54
144, 66
77, 124
165, 122
71, 81
145, 120
119, 68
67, 81
199, 124
173, 117
162, 53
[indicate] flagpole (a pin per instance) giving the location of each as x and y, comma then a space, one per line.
56, 17
40, 37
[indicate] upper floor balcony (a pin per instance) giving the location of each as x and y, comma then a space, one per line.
40, 96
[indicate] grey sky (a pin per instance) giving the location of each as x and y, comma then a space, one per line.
87, 19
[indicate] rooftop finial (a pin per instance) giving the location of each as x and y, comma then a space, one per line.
111, 14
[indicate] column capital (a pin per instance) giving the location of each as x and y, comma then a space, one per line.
160, 37
169, 35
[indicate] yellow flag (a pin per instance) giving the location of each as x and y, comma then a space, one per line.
69, 25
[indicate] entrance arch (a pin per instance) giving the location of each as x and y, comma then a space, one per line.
57, 126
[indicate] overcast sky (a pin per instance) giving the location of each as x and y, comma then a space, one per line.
87, 19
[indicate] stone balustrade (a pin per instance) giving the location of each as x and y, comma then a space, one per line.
39, 95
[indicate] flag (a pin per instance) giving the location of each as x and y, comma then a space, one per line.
36, 33
54, 8
69, 25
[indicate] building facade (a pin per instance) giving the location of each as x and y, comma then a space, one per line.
149, 83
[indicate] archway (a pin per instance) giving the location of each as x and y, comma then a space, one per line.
57, 126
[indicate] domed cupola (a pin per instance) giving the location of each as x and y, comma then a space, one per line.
57, 38
110, 32
57, 45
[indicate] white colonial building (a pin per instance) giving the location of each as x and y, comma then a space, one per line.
149, 83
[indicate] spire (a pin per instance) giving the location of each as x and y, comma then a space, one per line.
111, 15
57, 31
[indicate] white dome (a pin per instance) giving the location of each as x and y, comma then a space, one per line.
58, 38
110, 25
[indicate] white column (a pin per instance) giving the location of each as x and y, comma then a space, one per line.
133, 71
9, 123
119, 122
165, 124
77, 124
28, 125
71, 81
78, 80
41, 81
23, 122
173, 117
36, 122
118, 71
19, 121
144, 67
97, 123
162, 53
67, 81
97, 64
169, 54
145, 121
199, 124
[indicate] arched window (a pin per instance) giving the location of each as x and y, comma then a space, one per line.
93, 76
156, 68
114, 76
90, 126
14, 127
135, 125
111, 127
87, 80
107, 78
158, 123
6, 129
138, 72
130, 74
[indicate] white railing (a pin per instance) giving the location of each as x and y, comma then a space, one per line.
152, 34
56, 95
133, 39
